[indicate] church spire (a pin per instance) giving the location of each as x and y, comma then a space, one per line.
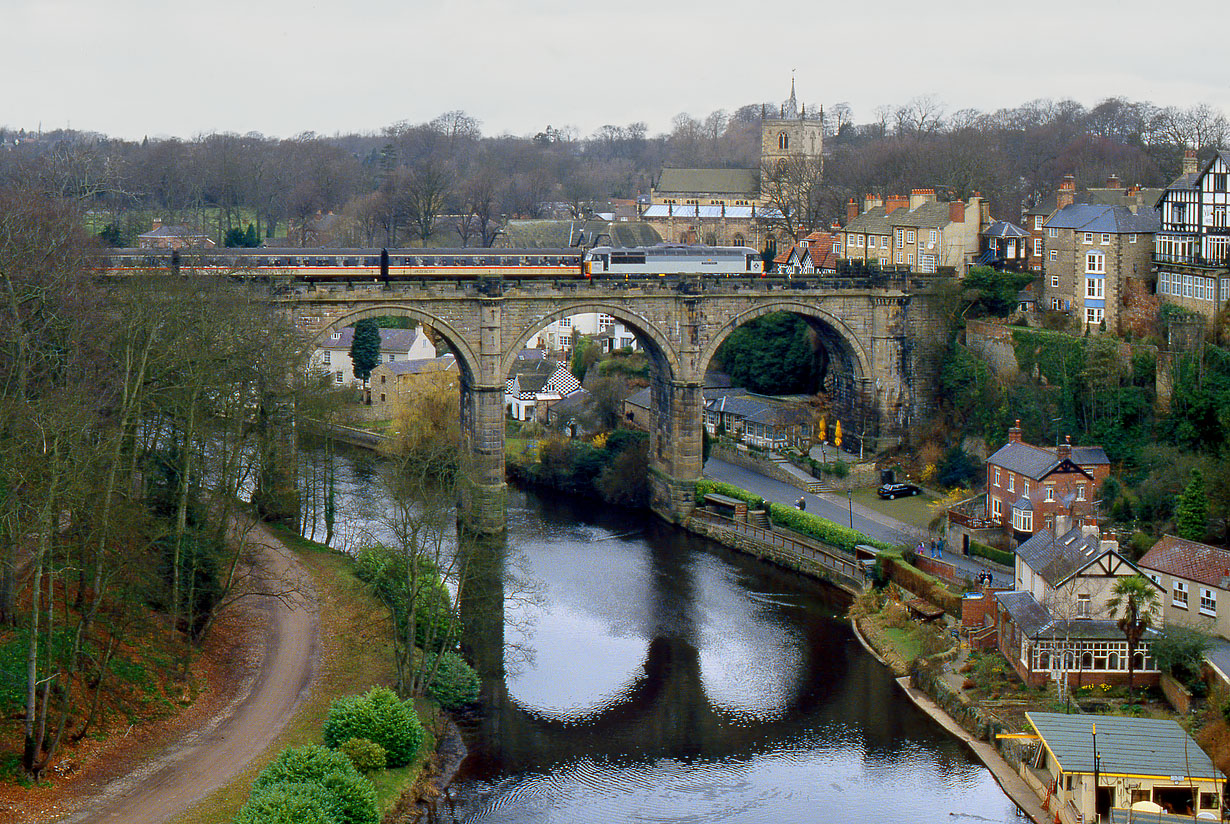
791, 109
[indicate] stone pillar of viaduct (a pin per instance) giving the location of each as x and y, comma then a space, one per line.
870, 331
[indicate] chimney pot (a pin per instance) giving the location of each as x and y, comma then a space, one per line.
1014, 433
1113, 182
1067, 192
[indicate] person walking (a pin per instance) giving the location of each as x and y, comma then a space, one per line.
801, 503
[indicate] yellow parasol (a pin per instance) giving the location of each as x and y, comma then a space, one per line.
837, 433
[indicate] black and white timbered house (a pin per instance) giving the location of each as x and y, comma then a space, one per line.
1192, 251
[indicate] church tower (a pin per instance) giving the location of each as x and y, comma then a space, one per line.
792, 133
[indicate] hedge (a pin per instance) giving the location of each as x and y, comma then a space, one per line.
277, 791
704, 488
821, 529
999, 556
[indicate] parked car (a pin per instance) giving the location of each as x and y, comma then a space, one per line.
890, 491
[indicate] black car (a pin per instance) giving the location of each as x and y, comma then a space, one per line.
890, 491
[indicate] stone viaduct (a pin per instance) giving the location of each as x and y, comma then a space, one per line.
867, 328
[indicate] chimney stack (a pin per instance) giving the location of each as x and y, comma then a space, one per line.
1190, 164
1063, 524
871, 201
1014, 433
1113, 182
920, 196
851, 210
1064, 451
894, 202
1067, 192
157, 224
956, 211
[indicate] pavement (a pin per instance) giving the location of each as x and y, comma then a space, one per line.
839, 509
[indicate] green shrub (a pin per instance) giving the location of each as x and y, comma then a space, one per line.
366, 755
821, 529
351, 798
378, 716
456, 683
999, 556
289, 803
839, 469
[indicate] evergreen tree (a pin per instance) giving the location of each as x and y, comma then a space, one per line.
250, 238
365, 348
1191, 512
773, 355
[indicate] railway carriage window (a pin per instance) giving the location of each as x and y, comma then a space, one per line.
427, 261
509, 261
350, 261
371, 261
411, 261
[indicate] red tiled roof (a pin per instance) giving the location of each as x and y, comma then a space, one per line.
1188, 559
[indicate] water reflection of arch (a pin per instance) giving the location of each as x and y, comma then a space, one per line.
663, 710
467, 358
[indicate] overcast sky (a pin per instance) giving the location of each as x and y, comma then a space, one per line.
131, 68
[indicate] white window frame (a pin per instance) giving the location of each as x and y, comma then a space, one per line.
1080, 492
1025, 487
1095, 263
1011, 482
1208, 602
997, 476
1050, 493
1094, 315
1105, 239
1022, 520
1051, 231
1095, 288
1084, 606
337, 377
1054, 281
997, 509
1088, 238
1054, 255
1178, 594
324, 357
909, 236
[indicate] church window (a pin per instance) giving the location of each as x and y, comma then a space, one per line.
783, 141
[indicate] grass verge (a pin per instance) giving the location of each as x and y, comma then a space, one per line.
354, 655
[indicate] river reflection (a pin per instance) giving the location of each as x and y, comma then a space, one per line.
675, 681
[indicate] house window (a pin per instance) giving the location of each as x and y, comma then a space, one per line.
1155, 578
1089, 237
1054, 254
1052, 232
1054, 280
1022, 520
382, 397
1105, 239
1057, 303
996, 508
337, 377
933, 237
1219, 181
899, 236
1208, 602
325, 357
1094, 287
565, 322
1178, 595
858, 241
909, 259
1037, 247
1011, 482
1131, 238
565, 341
1095, 263
909, 236
1050, 493
383, 378
1025, 485
1037, 221
1080, 492
997, 476
1093, 316
1082, 606
897, 258
392, 358
884, 242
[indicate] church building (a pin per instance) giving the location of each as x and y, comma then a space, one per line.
726, 207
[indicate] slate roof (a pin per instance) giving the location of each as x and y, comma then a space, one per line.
1120, 197
447, 363
1087, 217
753, 408
709, 181
1036, 621
640, 398
1037, 462
1126, 746
570, 404
1030, 616
1057, 558
930, 215
1192, 560
1002, 228
392, 341
871, 222
558, 234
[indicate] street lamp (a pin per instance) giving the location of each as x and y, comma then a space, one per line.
1094, 728
850, 504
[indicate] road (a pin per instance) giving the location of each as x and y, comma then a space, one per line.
209, 757
837, 508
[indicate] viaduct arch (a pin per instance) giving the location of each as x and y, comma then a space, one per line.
868, 328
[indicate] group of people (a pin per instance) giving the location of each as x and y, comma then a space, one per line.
934, 548
985, 580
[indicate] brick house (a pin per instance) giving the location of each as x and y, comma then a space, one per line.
920, 231
1098, 260
1058, 616
1195, 582
1029, 486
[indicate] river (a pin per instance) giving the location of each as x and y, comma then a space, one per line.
644, 674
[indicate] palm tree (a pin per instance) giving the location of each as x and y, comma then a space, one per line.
1138, 597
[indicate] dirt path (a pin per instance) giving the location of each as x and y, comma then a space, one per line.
210, 756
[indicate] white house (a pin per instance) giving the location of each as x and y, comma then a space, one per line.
396, 345
559, 336
533, 382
